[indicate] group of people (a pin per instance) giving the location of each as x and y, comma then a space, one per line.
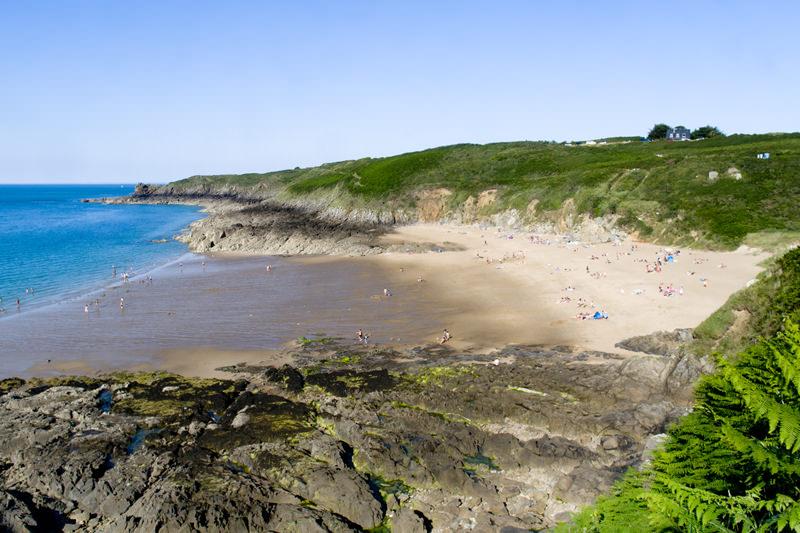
669, 290
363, 338
3, 310
597, 315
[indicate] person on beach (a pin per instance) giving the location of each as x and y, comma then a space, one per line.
269, 268
121, 304
445, 336
387, 292
86, 308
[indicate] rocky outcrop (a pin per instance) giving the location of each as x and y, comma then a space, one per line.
345, 439
269, 228
262, 219
675, 365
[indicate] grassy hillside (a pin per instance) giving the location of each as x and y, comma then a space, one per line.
661, 190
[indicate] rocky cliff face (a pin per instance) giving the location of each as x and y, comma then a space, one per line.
260, 220
346, 439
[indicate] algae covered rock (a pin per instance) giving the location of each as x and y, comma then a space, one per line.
347, 439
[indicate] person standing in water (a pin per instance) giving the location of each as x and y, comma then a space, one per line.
445, 336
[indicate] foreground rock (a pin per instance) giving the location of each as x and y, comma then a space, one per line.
347, 439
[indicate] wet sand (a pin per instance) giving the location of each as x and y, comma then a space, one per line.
194, 318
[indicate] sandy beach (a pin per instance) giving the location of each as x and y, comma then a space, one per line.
488, 287
515, 287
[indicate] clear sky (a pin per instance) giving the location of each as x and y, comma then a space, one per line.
106, 91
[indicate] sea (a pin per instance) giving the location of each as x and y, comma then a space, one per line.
54, 247
64, 260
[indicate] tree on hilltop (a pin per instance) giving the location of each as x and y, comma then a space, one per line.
706, 132
659, 131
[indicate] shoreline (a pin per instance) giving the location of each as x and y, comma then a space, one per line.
229, 306
65, 276
491, 287
525, 416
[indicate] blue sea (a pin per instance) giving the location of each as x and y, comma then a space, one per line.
54, 247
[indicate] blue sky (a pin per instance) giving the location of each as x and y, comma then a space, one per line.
127, 91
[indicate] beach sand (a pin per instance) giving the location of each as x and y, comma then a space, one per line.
491, 288
507, 289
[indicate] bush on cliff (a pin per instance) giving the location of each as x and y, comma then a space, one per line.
733, 464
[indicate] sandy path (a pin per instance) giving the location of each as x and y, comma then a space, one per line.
506, 290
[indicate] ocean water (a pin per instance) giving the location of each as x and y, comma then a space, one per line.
61, 248
72, 321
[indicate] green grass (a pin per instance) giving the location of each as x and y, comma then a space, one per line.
660, 189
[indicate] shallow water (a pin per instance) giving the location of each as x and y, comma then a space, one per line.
227, 303
60, 247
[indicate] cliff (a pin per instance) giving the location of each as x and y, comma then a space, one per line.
712, 193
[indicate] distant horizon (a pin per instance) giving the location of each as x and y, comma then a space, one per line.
134, 181
153, 91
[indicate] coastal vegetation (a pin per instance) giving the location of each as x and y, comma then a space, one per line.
733, 463
713, 192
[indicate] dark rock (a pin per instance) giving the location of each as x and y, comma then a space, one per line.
422, 439
288, 375
658, 343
